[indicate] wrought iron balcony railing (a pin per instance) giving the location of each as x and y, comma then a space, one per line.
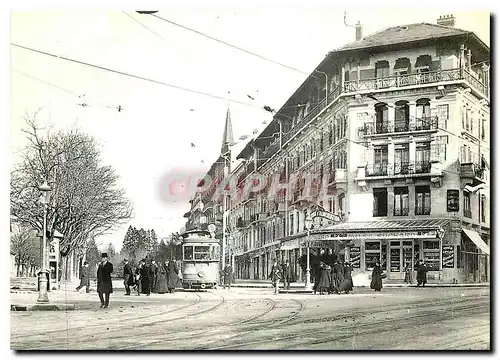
402, 211
471, 170
400, 168
422, 210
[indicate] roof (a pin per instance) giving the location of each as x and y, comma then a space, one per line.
387, 225
404, 34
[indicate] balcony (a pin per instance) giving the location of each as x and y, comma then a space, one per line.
422, 210
473, 172
262, 216
338, 176
415, 124
397, 169
402, 212
400, 81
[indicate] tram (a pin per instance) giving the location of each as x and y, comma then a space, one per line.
200, 260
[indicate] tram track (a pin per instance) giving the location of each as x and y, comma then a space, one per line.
427, 315
120, 321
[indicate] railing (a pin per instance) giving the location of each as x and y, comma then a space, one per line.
418, 124
422, 210
402, 126
476, 84
401, 212
471, 170
401, 168
379, 213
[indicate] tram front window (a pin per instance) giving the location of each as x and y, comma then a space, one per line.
214, 252
202, 252
188, 253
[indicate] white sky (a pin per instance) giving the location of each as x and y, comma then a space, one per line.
152, 135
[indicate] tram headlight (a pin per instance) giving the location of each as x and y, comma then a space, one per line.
201, 274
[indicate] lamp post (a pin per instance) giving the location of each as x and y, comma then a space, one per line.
43, 296
308, 223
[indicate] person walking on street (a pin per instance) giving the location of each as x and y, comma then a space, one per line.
84, 278
153, 274
138, 284
275, 276
421, 273
161, 283
338, 276
325, 278
145, 279
347, 284
408, 274
173, 277
128, 276
287, 274
228, 277
376, 283
104, 284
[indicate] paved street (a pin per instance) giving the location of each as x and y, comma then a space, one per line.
396, 318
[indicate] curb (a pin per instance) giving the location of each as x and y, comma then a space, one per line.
42, 307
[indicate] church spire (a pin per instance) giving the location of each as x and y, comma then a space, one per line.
227, 138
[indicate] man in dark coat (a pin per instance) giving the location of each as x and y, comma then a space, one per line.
228, 276
128, 276
104, 284
84, 277
376, 283
275, 276
173, 276
286, 272
145, 279
421, 273
153, 275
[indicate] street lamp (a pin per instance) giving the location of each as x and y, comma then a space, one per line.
43, 296
308, 224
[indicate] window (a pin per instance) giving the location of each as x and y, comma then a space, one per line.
291, 227
483, 134
372, 253
482, 208
423, 63
401, 158
381, 118
401, 116
422, 200
467, 212
381, 69
462, 113
380, 156
443, 113
341, 203
188, 253
423, 120
430, 251
401, 202
402, 66
423, 157
379, 202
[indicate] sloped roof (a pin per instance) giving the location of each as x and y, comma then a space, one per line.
398, 225
404, 34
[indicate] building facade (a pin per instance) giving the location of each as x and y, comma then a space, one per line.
385, 147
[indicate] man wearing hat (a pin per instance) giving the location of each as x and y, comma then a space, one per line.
128, 276
286, 271
84, 277
104, 285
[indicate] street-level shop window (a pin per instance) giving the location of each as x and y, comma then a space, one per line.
372, 253
422, 200
431, 254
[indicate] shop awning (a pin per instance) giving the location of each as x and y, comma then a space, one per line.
476, 239
384, 225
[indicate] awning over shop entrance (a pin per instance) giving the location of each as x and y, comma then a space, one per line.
476, 239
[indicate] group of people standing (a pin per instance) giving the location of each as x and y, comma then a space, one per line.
333, 279
421, 269
281, 272
151, 277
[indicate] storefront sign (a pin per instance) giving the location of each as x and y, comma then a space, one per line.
325, 215
448, 256
431, 234
452, 200
355, 256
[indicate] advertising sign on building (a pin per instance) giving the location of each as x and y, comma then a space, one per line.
355, 256
452, 200
448, 256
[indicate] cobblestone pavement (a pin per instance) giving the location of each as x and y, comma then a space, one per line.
396, 318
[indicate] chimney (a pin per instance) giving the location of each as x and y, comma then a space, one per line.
359, 31
446, 20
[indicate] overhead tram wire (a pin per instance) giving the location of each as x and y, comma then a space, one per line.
158, 82
144, 26
230, 45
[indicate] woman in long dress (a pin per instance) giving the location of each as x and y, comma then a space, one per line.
325, 279
421, 273
337, 276
347, 284
408, 274
161, 284
145, 282
376, 283
173, 280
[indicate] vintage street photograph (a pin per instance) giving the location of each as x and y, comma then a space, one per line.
237, 177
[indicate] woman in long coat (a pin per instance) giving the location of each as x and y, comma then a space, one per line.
337, 276
421, 273
347, 284
376, 283
408, 274
325, 279
173, 280
161, 283
145, 280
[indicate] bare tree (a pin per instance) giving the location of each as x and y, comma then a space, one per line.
85, 201
26, 247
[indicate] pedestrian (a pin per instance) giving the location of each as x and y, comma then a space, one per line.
347, 284
376, 283
104, 284
338, 276
161, 283
173, 277
421, 273
228, 276
325, 278
128, 276
153, 274
137, 275
275, 276
286, 271
408, 274
145, 280
84, 278
317, 276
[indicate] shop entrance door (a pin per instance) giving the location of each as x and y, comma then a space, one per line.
401, 255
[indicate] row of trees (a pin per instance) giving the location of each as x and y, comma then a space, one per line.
25, 246
85, 201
